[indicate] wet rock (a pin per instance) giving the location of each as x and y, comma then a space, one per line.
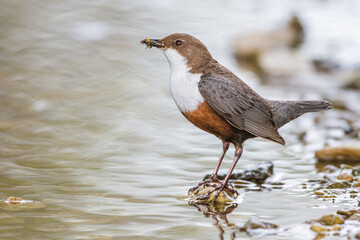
338, 185
345, 153
256, 224
253, 226
334, 225
348, 213
355, 217
198, 196
331, 219
346, 177
326, 223
353, 214
319, 228
257, 173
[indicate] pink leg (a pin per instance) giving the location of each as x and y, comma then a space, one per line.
238, 152
225, 148
213, 178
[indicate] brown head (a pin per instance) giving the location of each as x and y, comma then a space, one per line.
190, 48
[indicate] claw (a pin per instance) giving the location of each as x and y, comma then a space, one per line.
216, 185
212, 179
228, 187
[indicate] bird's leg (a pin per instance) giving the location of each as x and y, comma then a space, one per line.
224, 184
238, 152
225, 148
213, 178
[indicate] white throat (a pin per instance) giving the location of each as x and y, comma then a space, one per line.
183, 84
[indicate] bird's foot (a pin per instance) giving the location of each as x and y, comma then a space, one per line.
218, 188
211, 181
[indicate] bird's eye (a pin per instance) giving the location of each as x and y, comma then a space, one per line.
178, 42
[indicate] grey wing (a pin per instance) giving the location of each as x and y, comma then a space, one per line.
239, 105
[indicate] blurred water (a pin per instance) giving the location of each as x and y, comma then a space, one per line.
88, 127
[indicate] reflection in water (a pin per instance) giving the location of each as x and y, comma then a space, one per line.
218, 213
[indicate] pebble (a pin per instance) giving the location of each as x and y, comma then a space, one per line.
331, 219
346, 177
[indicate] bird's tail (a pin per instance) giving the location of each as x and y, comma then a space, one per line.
285, 111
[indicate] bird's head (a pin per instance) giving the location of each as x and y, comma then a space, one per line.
181, 45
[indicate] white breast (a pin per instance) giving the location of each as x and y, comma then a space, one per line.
183, 84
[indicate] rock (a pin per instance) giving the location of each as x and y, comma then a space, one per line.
331, 219
252, 225
197, 196
319, 228
348, 213
345, 177
257, 173
345, 153
338, 185
354, 217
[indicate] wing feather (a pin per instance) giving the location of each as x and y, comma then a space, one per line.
239, 105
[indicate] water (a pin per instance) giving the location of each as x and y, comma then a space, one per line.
89, 131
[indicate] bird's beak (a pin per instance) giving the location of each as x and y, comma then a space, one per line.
152, 43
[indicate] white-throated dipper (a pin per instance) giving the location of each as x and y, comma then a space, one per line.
217, 101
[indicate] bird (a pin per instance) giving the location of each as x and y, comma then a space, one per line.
215, 100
